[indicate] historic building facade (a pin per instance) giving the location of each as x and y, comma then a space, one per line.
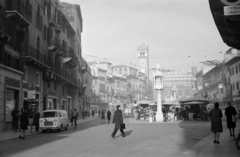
178, 85
38, 58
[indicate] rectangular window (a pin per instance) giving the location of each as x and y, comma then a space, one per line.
55, 85
63, 90
232, 70
25, 74
45, 33
38, 79
233, 87
236, 69
49, 84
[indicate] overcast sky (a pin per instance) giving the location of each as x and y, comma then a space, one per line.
173, 29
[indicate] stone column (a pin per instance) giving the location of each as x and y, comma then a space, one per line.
159, 115
158, 80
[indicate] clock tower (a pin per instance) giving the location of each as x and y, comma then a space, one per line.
143, 58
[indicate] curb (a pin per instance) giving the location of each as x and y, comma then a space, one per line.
12, 138
34, 133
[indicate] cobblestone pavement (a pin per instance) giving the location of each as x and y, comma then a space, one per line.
92, 139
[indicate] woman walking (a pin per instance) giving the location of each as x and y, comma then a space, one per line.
230, 112
23, 123
103, 116
216, 122
109, 116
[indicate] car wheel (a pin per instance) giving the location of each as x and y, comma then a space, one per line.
66, 128
43, 131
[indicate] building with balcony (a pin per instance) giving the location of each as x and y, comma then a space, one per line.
15, 19
214, 84
101, 86
233, 66
39, 58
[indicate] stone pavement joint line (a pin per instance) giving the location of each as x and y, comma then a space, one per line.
9, 135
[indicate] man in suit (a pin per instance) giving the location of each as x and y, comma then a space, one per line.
118, 120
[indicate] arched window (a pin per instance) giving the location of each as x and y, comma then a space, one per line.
120, 71
125, 71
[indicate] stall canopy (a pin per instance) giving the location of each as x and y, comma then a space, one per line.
197, 101
145, 103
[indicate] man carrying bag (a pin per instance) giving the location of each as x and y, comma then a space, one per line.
118, 121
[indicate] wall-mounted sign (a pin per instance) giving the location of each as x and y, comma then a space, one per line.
232, 10
31, 94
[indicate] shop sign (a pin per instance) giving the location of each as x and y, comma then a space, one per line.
31, 94
12, 82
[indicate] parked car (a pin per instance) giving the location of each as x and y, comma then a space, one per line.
53, 120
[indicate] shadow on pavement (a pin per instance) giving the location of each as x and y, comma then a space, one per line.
127, 133
16, 146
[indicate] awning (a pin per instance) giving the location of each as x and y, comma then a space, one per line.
141, 102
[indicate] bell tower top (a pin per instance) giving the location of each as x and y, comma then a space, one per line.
143, 58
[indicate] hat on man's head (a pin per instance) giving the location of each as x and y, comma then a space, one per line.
118, 106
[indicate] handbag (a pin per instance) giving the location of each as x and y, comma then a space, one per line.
234, 120
123, 126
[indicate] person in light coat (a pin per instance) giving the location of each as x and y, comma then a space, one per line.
117, 120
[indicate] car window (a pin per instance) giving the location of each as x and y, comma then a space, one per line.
60, 114
49, 114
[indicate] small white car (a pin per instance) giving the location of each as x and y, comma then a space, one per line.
53, 120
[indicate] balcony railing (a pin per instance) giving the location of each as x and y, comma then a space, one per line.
52, 20
30, 51
71, 53
8, 60
57, 69
55, 42
25, 10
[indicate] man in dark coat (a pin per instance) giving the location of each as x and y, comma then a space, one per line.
14, 114
109, 115
230, 112
118, 120
36, 118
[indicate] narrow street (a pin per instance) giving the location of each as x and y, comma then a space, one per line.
93, 139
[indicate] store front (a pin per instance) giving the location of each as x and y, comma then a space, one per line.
11, 97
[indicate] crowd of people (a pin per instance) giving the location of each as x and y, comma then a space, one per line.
20, 120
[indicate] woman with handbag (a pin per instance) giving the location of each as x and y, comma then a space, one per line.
118, 121
230, 112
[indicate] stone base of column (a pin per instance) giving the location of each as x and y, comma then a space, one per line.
159, 117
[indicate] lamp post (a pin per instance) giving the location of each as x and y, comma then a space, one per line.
158, 85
